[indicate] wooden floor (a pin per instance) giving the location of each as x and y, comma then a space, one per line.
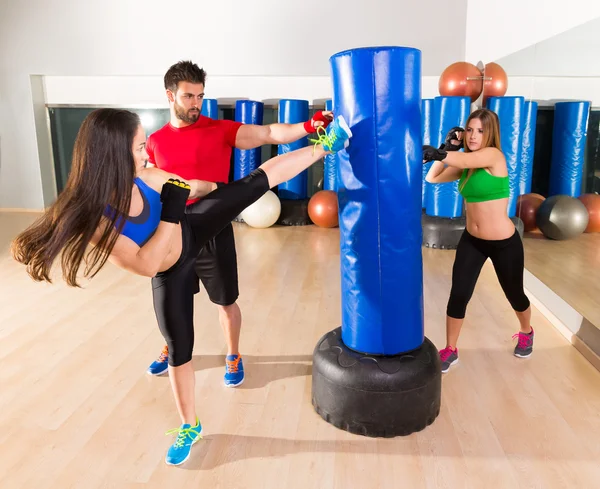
571, 268
77, 409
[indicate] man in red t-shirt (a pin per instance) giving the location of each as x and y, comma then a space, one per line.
197, 147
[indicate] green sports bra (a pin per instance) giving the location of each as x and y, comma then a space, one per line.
482, 186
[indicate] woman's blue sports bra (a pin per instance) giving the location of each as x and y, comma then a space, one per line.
142, 227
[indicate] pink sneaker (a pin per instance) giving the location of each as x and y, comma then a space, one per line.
449, 357
524, 346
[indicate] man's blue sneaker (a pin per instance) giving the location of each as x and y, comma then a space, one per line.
187, 435
335, 137
234, 371
161, 364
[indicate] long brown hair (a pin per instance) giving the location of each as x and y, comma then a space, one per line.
491, 133
102, 174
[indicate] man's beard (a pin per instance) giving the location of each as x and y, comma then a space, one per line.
190, 116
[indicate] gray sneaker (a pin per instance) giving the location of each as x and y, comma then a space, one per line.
524, 346
449, 357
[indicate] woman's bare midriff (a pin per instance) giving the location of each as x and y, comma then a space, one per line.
489, 220
175, 248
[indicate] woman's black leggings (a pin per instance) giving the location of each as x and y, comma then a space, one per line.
508, 259
173, 290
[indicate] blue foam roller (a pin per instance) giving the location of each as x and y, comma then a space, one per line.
568, 147
527, 146
444, 199
245, 161
210, 108
292, 112
330, 163
510, 115
427, 121
378, 91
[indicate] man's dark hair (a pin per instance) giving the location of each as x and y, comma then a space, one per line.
184, 71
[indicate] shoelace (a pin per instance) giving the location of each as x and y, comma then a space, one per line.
163, 356
324, 139
445, 353
524, 339
182, 434
232, 365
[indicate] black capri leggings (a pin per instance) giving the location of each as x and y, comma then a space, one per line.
173, 290
508, 259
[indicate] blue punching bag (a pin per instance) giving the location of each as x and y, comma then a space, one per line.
568, 147
292, 112
427, 127
527, 146
210, 108
444, 199
510, 115
330, 163
378, 375
245, 161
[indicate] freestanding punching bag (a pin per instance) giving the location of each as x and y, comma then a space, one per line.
293, 193
527, 146
568, 147
210, 108
443, 222
330, 163
510, 116
377, 375
426, 130
245, 161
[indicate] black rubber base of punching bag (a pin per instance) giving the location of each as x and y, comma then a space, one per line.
294, 213
377, 396
444, 232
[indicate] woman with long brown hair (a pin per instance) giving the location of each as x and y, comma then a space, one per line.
484, 184
137, 218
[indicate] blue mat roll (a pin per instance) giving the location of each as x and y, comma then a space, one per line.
527, 146
210, 108
291, 112
427, 121
330, 163
444, 199
569, 136
378, 91
245, 161
510, 115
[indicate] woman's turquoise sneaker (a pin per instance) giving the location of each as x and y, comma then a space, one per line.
335, 137
187, 435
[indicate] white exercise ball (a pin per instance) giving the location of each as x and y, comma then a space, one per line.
264, 212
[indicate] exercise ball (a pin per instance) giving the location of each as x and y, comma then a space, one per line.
461, 79
264, 212
562, 217
527, 207
323, 209
495, 81
592, 204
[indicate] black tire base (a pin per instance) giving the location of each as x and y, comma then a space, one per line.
376, 396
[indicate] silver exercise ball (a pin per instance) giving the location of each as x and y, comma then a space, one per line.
562, 217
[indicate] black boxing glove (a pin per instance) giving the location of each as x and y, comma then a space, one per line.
453, 135
431, 153
174, 195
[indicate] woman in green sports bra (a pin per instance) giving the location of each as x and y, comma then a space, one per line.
483, 182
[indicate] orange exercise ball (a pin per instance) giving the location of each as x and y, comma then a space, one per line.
527, 207
592, 204
323, 209
461, 79
495, 81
